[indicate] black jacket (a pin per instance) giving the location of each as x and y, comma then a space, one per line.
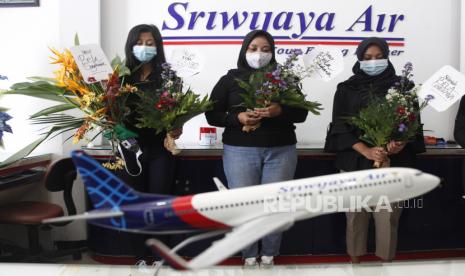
459, 127
149, 142
278, 131
353, 95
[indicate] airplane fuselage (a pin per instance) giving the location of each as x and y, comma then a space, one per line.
230, 208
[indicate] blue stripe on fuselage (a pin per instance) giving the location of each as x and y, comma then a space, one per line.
152, 216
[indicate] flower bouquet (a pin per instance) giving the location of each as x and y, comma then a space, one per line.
103, 103
393, 117
277, 84
169, 107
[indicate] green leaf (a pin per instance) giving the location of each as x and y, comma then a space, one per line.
53, 109
38, 89
24, 152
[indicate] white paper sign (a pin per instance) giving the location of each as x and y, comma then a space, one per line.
326, 61
186, 62
446, 86
92, 62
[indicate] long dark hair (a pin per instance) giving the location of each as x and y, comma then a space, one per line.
133, 37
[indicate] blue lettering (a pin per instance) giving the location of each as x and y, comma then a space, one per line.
394, 20
253, 22
303, 24
309, 49
172, 11
211, 21
234, 18
365, 18
194, 17
380, 26
286, 25
328, 25
266, 23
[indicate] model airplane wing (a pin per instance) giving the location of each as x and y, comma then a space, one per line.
219, 184
85, 216
234, 241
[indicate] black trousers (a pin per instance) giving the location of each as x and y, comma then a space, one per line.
158, 171
157, 177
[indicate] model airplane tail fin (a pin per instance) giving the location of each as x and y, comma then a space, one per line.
104, 188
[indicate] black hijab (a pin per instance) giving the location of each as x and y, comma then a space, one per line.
360, 80
243, 68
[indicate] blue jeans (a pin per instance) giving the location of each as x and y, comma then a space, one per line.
247, 166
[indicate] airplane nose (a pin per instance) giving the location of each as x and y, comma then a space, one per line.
425, 181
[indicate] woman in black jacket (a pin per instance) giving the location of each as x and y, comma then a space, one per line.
144, 57
266, 154
373, 74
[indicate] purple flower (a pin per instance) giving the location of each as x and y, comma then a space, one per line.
276, 73
3, 77
402, 128
429, 97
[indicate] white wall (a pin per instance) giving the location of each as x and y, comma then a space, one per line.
26, 35
431, 32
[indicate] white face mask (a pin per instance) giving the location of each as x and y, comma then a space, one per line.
374, 67
257, 60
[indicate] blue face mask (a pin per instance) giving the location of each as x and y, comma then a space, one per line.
374, 67
144, 53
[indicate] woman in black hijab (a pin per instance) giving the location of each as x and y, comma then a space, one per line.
265, 155
373, 74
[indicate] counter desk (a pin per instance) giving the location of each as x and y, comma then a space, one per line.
435, 221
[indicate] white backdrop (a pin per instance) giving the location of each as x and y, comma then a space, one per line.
431, 33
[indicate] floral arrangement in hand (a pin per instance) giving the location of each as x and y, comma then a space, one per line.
281, 84
169, 108
393, 118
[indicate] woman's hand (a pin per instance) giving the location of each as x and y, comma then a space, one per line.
249, 118
394, 147
175, 133
377, 154
273, 110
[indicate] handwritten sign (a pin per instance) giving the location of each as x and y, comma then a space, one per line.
446, 87
186, 62
326, 62
92, 62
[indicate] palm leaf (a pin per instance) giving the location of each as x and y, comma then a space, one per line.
22, 153
53, 109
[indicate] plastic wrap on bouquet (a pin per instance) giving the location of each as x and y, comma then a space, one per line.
170, 145
384, 164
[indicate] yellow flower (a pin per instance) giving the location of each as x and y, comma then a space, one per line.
117, 165
129, 88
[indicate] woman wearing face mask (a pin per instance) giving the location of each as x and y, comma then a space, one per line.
144, 57
373, 74
265, 155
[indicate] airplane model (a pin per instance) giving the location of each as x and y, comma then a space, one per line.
244, 214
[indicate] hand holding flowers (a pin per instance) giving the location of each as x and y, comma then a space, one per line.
272, 86
389, 122
169, 108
